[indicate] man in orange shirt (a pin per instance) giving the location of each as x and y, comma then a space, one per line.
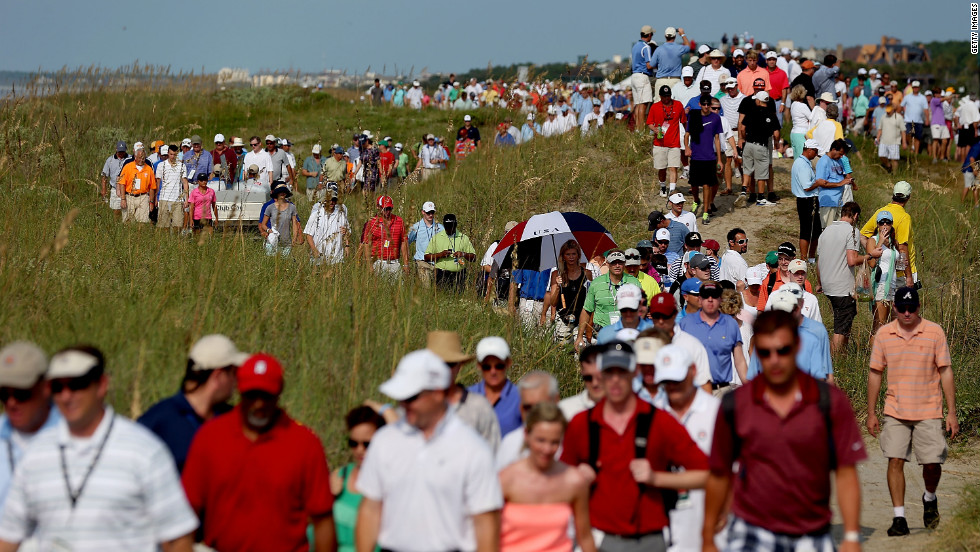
915, 353
751, 72
140, 186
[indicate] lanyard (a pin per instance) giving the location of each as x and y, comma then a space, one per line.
10, 455
74, 495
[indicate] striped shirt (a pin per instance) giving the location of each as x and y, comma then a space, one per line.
132, 500
913, 362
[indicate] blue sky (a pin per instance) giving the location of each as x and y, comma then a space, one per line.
312, 35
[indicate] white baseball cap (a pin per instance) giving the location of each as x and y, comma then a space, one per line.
530, 116
676, 198
398, 146
417, 371
862, 71
795, 53
755, 274
164, 150
467, 118
670, 31
428, 206
672, 362
138, 146
785, 51
317, 148
738, 52
731, 84
628, 297
782, 300
811, 144
415, 83
916, 84
703, 49
662, 234
219, 138
646, 349
627, 335
186, 142
215, 351
687, 71
793, 288
22, 365
70, 364
761, 96
771, 54
492, 346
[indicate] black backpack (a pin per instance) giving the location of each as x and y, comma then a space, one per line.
644, 420
728, 411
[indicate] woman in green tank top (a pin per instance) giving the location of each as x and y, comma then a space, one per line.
362, 422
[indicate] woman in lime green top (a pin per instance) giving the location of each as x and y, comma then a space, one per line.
362, 422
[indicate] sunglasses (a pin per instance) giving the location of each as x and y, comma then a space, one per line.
353, 443
72, 384
780, 352
267, 142
637, 257
254, 143
21, 395
905, 308
663, 242
659, 316
715, 109
742, 242
587, 378
711, 294
488, 367
888, 222
430, 212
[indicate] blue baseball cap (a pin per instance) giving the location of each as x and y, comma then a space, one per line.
884, 215
691, 286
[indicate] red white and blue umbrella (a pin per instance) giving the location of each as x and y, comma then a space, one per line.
539, 239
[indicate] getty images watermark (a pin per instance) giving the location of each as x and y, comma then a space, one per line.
974, 27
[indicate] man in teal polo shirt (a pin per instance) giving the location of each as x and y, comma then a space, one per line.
450, 250
600, 301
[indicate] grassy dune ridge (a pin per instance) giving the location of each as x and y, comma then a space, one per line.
144, 296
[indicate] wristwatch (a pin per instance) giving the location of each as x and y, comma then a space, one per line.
852, 536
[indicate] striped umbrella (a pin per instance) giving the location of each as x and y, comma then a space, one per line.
539, 238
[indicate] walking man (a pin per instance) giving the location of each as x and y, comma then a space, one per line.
915, 353
788, 432
450, 250
421, 233
385, 241
401, 509
640, 79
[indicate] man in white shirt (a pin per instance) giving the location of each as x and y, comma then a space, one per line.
432, 157
261, 158
733, 265
97, 480
536, 386
551, 126
173, 187
677, 212
27, 407
414, 95
687, 88
592, 121
696, 409
593, 393
327, 230
428, 481
794, 68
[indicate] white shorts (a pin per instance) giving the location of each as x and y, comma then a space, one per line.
888, 151
969, 180
939, 132
666, 157
642, 90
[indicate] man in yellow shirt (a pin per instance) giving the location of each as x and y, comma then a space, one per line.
649, 286
139, 184
450, 250
907, 273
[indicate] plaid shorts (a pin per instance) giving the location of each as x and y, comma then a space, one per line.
743, 537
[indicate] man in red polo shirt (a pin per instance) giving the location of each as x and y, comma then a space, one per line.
627, 500
778, 84
255, 477
788, 432
665, 120
385, 240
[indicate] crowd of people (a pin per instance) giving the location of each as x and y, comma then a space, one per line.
708, 390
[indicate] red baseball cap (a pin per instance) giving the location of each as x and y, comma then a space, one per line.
260, 372
385, 201
712, 245
663, 303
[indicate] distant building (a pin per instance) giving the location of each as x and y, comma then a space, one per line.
889, 51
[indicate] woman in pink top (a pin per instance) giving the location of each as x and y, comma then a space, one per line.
542, 494
204, 208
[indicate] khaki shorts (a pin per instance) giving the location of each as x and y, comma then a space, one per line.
755, 161
900, 437
939, 132
642, 89
969, 180
170, 214
426, 271
666, 157
669, 82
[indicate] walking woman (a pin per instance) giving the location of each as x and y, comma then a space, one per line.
362, 423
800, 113
567, 292
284, 229
886, 256
203, 206
541, 494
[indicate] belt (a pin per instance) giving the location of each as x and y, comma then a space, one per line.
636, 536
720, 385
136, 195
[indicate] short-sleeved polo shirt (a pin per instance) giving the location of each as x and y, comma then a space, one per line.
718, 339
507, 408
257, 495
421, 234
138, 180
384, 237
912, 362
131, 501
785, 461
16, 444
617, 505
600, 300
443, 242
175, 422
429, 488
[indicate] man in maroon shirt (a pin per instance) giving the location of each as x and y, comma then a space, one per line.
788, 432
627, 499
256, 478
223, 155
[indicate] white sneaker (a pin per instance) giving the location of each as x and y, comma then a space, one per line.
685, 173
741, 200
763, 203
663, 191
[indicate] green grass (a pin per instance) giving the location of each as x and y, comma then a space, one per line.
144, 296
961, 533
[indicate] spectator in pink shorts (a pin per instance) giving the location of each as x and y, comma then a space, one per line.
204, 209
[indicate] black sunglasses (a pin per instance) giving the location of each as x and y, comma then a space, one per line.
353, 443
267, 142
254, 143
905, 308
73, 384
632, 256
430, 212
587, 378
663, 242
488, 367
715, 109
659, 316
711, 293
782, 351
21, 395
